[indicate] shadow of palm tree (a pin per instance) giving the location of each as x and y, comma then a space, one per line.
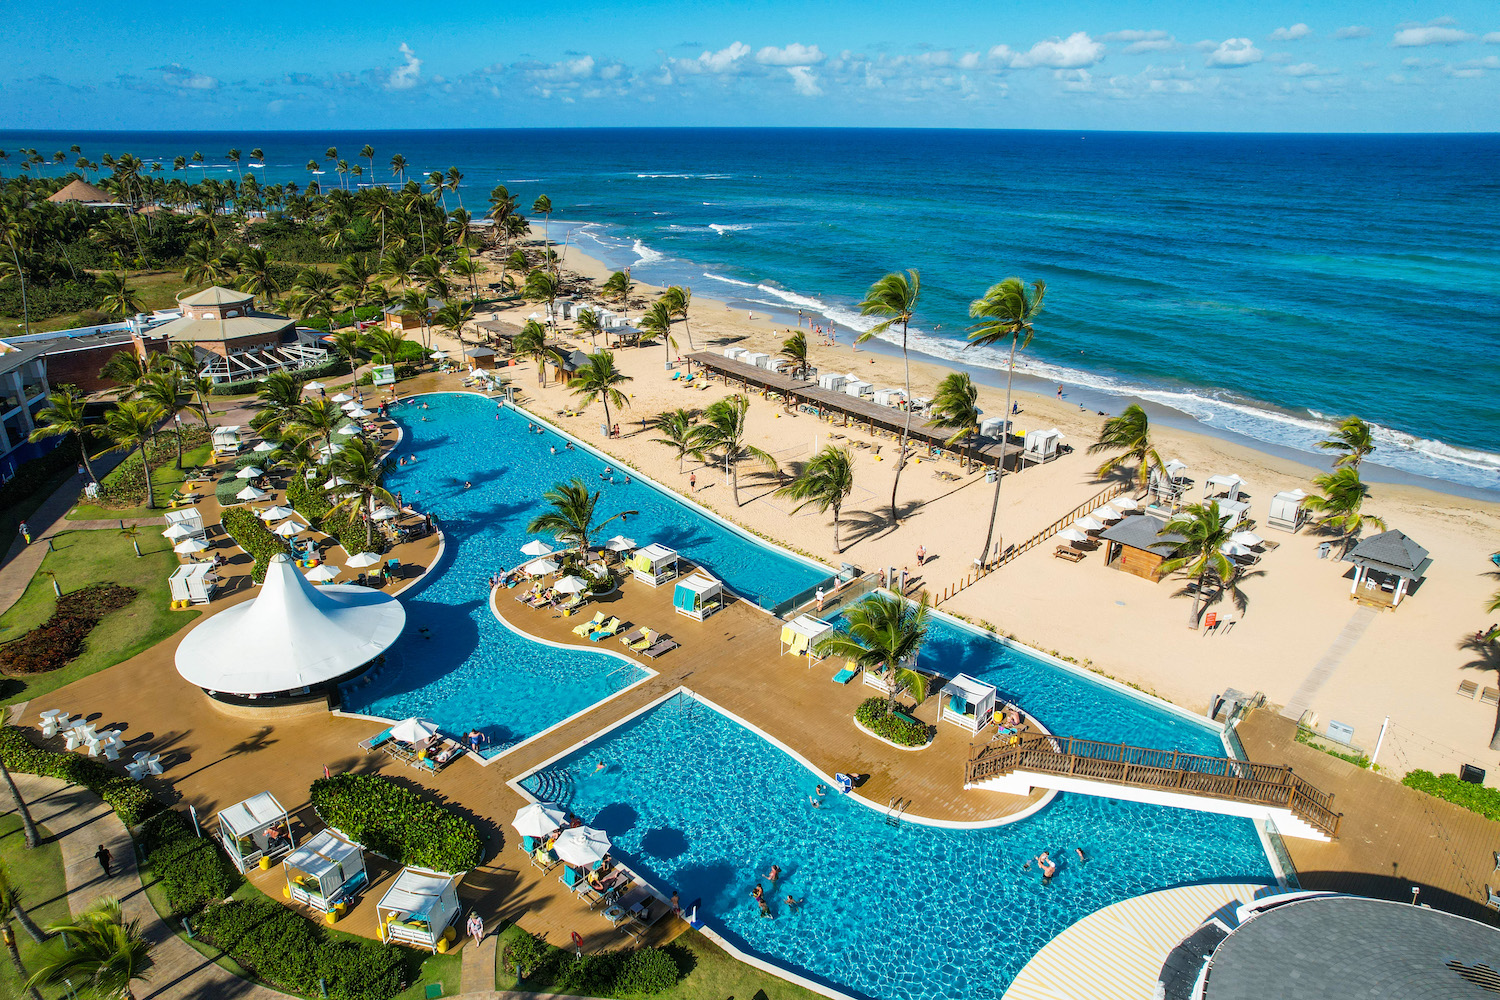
1484, 651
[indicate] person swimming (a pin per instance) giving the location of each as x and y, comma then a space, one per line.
1048, 868
467, 484
1082, 858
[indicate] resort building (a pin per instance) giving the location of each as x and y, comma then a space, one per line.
23, 394
1136, 546
81, 192
1388, 566
398, 317
233, 339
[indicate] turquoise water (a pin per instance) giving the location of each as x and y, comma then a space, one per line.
697, 803
457, 665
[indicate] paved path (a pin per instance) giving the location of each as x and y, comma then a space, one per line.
479, 965
1358, 624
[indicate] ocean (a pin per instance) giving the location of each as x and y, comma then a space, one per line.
1259, 285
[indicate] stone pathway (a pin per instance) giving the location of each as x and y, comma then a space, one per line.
479, 965
1353, 631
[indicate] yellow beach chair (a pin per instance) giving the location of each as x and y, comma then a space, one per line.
646, 641
606, 630
584, 628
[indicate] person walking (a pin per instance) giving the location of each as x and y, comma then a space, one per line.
692, 488
921, 554
475, 927
25, 530
106, 860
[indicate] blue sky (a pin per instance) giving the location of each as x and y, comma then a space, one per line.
1269, 66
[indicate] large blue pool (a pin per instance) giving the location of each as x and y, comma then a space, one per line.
456, 664
698, 803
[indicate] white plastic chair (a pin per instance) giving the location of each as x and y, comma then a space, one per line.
111, 751
136, 770
153, 764
74, 738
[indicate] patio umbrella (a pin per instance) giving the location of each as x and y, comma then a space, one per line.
384, 514
322, 573
539, 819
251, 493
1232, 548
581, 845
346, 430
275, 513
571, 585
178, 532
620, 543
362, 560
438, 355
190, 546
342, 397
289, 529
1124, 503
1247, 538
351, 405
314, 386
360, 413
413, 730
1108, 513
265, 446
1073, 535
1087, 523
536, 547
249, 472
541, 567
335, 482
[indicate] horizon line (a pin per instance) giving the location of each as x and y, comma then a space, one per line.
7, 130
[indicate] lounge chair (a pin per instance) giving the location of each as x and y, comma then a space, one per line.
543, 859
1467, 689
846, 675
1490, 696
528, 845
584, 628
569, 604
435, 762
1494, 897
663, 646
606, 630
634, 635
646, 641
573, 878
374, 741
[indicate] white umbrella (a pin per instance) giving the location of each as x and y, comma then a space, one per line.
620, 543
536, 547
1107, 513
190, 546
249, 472
1124, 503
353, 404
539, 819
314, 386
251, 493
384, 514
360, 413
1087, 523
289, 529
438, 355
335, 482
346, 430
541, 567
1247, 538
1073, 535
1232, 548
413, 730
322, 573
571, 585
362, 560
275, 513
178, 532
265, 446
581, 845
342, 397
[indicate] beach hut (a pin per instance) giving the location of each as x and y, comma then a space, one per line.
1136, 546
1387, 567
654, 565
832, 381
187, 520
326, 871
1041, 446
480, 357
800, 635
968, 702
419, 909
255, 831
194, 583
857, 386
735, 353
698, 595
994, 427
756, 358
1287, 512
889, 397
1226, 486
227, 440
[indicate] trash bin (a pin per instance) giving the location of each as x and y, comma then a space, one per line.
1473, 775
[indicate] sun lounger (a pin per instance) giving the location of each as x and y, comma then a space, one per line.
1494, 899
543, 859
1467, 689
1490, 696
664, 646
634, 635
584, 628
435, 762
646, 641
606, 630
374, 741
846, 675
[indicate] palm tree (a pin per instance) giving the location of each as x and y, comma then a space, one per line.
542, 286
10, 906
65, 414
117, 297
234, 157
1200, 552
164, 391
1005, 310
723, 428
600, 379
454, 179
531, 344
679, 430
588, 323
320, 417
359, 463
1129, 435
794, 350
280, 394
13, 231
258, 275
385, 343
1353, 439
678, 299
1339, 505
398, 167
826, 481
103, 949
414, 303
368, 152
130, 426
454, 316
884, 632
315, 293
955, 407
658, 323
543, 206
895, 297
125, 368
571, 519
28, 824
620, 284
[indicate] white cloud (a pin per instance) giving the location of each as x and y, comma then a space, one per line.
1234, 52
1306, 69
406, 76
1352, 31
176, 75
580, 68
726, 60
1476, 66
1291, 34
794, 54
1408, 38
1142, 41
1492, 38
1074, 52
1075, 80
969, 60
805, 81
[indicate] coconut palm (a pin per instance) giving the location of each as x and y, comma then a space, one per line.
658, 322
10, 906
678, 299
571, 519
164, 391
117, 297
955, 407
895, 297
1200, 553
103, 949
723, 430
1339, 506
543, 206
600, 379
359, 463
620, 284
794, 350
258, 275
454, 316
467, 267
883, 633
678, 429
318, 417
398, 167
65, 414
826, 481
588, 323
280, 394
385, 343
1129, 436
395, 265
531, 345
414, 303
1353, 439
1005, 311
130, 426
542, 286
28, 824
126, 368
315, 293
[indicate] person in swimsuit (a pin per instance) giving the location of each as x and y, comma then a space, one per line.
1048, 868
774, 874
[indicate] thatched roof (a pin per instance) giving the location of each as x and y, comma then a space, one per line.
82, 191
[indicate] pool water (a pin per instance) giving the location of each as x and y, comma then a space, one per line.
700, 804
457, 665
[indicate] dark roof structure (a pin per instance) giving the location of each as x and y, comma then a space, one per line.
1390, 551
1142, 531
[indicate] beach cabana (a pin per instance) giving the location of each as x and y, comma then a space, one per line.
189, 521
857, 386
833, 382
994, 427
969, 702
755, 358
418, 909
698, 596
194, 583
227, 440
1042, 446
1387, 567
480, 357
800, 635
654, 565
1287, 512
735, 352
889, 397
255, 831
1226, 486
1136, 546
327, 870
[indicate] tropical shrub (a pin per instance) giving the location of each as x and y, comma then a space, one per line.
524, 954
646, 971
132, 802
192, 870
125, 485
251, 534
397, 823
61, 637
1452, 788
873, 716
545, 969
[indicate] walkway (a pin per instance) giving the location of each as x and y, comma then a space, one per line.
1353, 631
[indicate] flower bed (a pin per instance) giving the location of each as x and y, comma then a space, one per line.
397, 823
60, 638
872, 715
132, 802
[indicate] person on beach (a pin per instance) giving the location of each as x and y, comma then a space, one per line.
903, 579
106, 860
693, 483
1059, 392
921, 554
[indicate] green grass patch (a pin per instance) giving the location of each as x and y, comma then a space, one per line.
38, 873
1452, 788
165, 478
156, 289
1309, 738
79, 559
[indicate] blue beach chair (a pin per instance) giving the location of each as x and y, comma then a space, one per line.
846, 675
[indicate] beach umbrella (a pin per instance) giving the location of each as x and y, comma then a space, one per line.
342, 397
536, 547
1246, 538
413, 730
384, 514
275, 513
178, 532
362, 560
581, 845
289, 529
539, 819
541, 567
620, 543
1108, 513
190, 546
265, 446
314, 386
251, 493
438, 355
346, 430
335, 482
360, 413
1233, 548
1087, 523
1124, 503
571, 585
322, 573
249, 472
353, 404
1073, 535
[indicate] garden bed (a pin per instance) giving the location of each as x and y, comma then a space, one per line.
397, 823
61, 638
871, 717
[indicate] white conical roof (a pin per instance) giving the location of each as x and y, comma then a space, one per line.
292, 635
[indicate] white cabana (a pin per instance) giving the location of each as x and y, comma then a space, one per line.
582, 845
539, 819
419, 909
1232, 511
857, 386
291, 637
274, 513
250, 472
189, 518
756, 358
968, 702
246, 830
537, 547
1287, 511
194, 583
227, 440
1175, 468
654, 565
325, 872
1041, 446
1227, 486
540, 567
251, 493
360, 560
832, 382
734, 352
698, 595
1387, 567
994, 427
800, 635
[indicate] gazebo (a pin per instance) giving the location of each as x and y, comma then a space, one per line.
1387, 565
698, 595
326, 871
801, 634
968, 702
246, 829
418, 909
227, 440
292, 641
654, 565
1227, 486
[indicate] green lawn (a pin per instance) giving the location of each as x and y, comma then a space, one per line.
38, 873
165, 478
81, 558
156, 289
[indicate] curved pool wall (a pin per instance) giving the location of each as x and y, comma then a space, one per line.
696, 802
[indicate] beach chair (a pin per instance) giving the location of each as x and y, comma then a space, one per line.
584, 628
528, 845
1467, 689
632, 636
379, 738
646, 641
606, 630
543, 859
1489, 696
663, 646
846, 675
1494, 897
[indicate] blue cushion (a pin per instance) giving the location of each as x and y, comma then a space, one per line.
958, 705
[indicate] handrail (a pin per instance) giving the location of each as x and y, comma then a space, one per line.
1142, 767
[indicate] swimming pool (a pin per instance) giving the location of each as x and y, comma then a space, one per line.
696, 802
457, 665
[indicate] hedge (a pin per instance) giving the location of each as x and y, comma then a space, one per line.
546, 969
290, 952
251, 534
192, 870
334, 366
872, 715
311, 501
227, 489
397, 823
1452, 788
132, 802
60, 638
